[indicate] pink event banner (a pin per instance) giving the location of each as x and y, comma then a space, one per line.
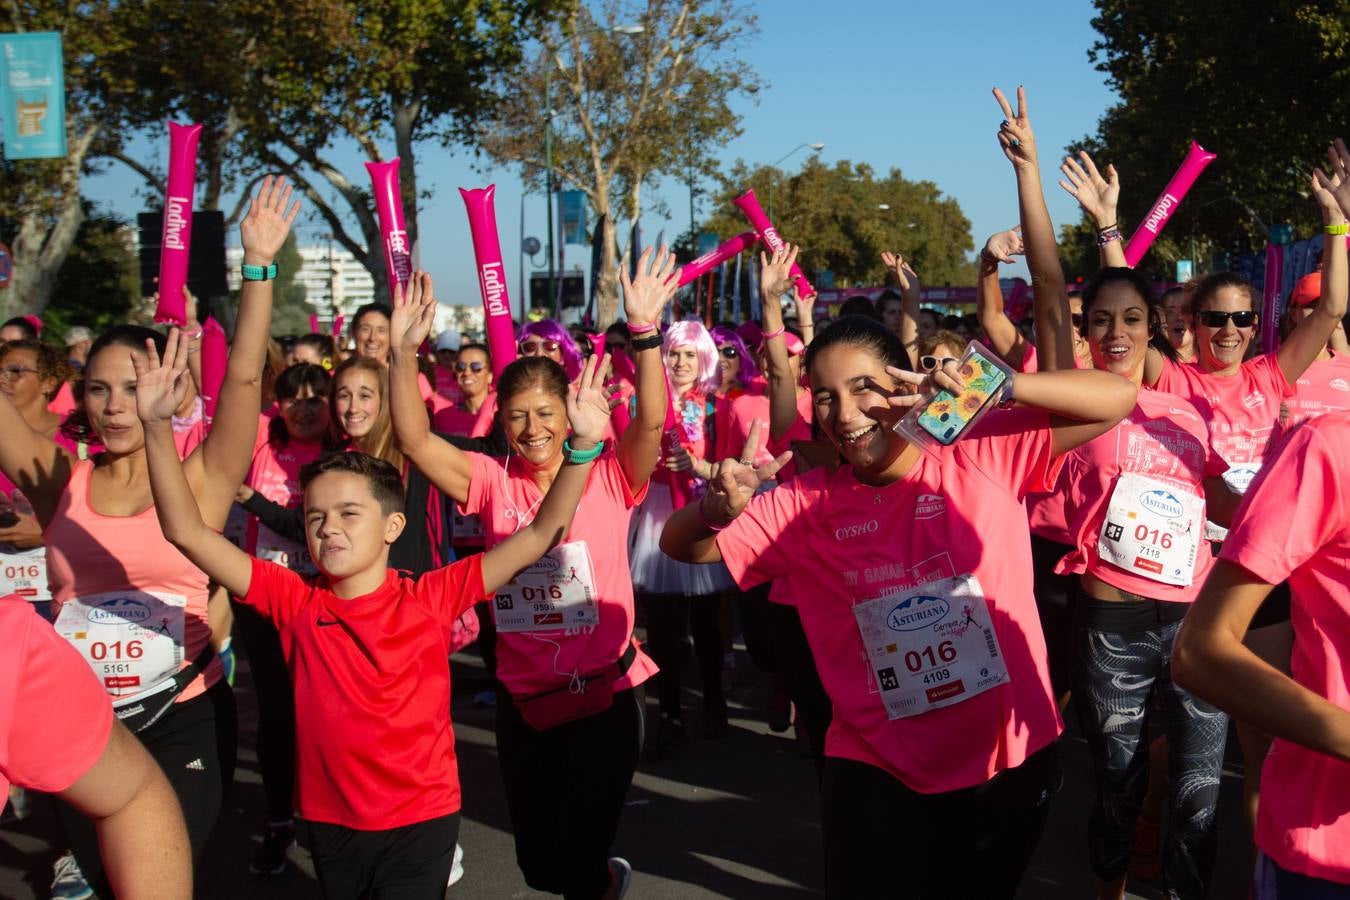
1165, 206
749, 205
176, 238
393, 231
487, 251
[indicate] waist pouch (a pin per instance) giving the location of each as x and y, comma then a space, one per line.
581, 697
142, 710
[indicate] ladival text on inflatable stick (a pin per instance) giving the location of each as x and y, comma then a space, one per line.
487, 250
393, 231
749, 205
714, 258
177, 233
215, 351
1168, 201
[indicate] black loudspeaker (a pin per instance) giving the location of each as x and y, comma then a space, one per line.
573, 291
206, 256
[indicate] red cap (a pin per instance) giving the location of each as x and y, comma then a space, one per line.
1307, 290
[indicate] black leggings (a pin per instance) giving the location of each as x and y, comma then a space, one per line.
408, 863
565, 790
814, 709
194, 743
670, 620
1054, 607
1122, 662
276, 709
883, 840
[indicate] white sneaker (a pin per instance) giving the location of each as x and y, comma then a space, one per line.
622, 873
456, 867
68, 881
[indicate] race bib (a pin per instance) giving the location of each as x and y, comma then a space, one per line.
24, 572
556, 592
133, 640
931, 646
1239, 476
275, 548
468, 529
1152, 529
236, 527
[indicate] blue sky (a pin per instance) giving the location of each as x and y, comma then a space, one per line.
893, 85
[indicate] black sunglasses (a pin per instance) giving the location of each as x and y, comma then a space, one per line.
470, 367
729, 351
1217, 318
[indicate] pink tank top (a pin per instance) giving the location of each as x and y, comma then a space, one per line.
140, 605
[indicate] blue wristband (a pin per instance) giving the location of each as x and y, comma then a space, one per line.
577, 457
258, 273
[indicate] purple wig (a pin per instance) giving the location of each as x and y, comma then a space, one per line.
551, 330
721, 334
691, 333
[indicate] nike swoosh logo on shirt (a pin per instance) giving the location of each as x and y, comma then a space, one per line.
320, 622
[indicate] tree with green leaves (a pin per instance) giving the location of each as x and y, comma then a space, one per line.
628, 105
1263, 85
843, 216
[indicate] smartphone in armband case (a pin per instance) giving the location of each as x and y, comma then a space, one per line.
945, 417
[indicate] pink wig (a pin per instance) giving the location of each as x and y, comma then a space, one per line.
550, 330
691, 333
723, 335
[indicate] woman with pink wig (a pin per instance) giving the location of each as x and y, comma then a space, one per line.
547, 337
665, 587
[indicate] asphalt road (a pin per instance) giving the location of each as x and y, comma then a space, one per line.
731, 818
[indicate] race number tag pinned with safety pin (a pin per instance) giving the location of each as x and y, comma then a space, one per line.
132, 639
24, 572
931, 646
557, 592
1152, 529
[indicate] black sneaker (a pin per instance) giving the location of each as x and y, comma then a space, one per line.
669, 735
270, 858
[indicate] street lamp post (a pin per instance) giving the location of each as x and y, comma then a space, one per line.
817, 147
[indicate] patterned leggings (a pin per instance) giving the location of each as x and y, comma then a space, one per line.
1121, 665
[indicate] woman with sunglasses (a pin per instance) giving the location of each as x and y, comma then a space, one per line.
938, 349
473, 413
549, 339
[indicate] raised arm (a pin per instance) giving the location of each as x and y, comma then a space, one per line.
1054, 343
775, 279
588, 413
160, 388
217, 468
806, 312
444, 465
1306, 342
644, 300
1004, 337
1099, 198
33, 461
908, 282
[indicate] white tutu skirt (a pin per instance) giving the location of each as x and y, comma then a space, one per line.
656, 573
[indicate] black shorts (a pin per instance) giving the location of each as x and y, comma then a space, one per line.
407, 863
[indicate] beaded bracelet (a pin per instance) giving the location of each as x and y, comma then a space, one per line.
1108, 235
641, 329
703, 517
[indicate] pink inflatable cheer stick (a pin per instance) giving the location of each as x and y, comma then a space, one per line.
769, 235
177, 234
215, 352
393, 232
487, 251
337, 329
1166, 204
714, 258
313, 324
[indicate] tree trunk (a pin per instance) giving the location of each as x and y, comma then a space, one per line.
40, 249
607, 288
405, 120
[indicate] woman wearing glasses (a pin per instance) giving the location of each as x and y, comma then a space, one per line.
472, 414
550, 339
938, 349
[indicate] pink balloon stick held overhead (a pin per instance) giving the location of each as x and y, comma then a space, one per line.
754, 213
1168, 201
714, 258
215, 351
177, 234
393, 231
487, 250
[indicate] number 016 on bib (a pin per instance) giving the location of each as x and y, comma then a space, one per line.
931, 646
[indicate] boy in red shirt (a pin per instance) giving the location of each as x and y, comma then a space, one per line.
376, 775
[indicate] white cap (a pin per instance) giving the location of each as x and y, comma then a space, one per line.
77, 334
449, 340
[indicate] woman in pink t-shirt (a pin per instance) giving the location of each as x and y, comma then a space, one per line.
566, 766
133, 606
1294, 525
911, 573
472, 414
1325, 387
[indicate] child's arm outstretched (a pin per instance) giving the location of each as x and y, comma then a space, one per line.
588, 412
160, 388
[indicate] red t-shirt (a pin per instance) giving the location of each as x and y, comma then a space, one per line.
373, 745
1294, 524
40, 672
832, 543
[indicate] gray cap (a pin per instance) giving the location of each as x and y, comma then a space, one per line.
77, 334
449, 340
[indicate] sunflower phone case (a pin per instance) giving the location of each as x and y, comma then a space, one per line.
942, 420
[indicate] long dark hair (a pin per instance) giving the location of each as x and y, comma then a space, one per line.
126, 337
1157, 332
865, 333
